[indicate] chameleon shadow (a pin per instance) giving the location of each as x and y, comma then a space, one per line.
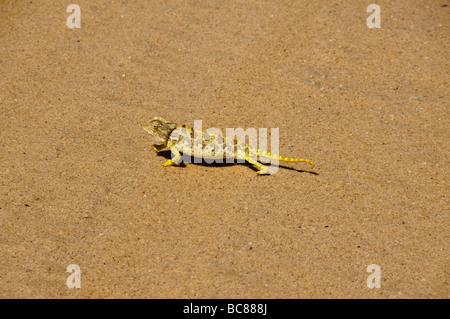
297, 170
191, 159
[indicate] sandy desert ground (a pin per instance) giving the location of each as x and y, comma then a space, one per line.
80, 184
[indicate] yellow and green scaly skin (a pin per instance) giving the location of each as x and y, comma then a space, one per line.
178, 140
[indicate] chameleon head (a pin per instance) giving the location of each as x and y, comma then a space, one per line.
160, 128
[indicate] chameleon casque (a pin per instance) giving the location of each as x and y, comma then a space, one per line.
181, 139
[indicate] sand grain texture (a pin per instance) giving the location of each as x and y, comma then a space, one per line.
79, 183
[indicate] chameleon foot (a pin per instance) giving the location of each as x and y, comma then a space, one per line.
157, 147
263, 171
169, 163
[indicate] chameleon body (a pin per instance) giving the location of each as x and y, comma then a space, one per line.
182, 139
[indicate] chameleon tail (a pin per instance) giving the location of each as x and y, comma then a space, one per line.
282, 158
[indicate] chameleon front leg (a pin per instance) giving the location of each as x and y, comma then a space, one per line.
262, 168
157, 147
176, 159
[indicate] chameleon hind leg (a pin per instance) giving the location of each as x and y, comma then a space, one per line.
262, 168
176, 159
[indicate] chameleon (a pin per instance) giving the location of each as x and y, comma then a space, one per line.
178, 139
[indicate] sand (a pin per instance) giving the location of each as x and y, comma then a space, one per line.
79, 183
